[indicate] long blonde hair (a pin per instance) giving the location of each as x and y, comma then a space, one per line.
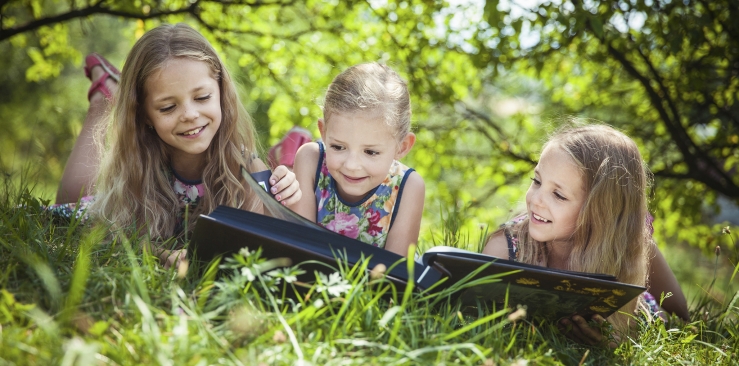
611, 235
134, 184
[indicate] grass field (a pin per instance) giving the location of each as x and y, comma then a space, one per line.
74, 295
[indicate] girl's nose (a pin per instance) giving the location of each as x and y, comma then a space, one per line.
536, 198
352, 162
190, 112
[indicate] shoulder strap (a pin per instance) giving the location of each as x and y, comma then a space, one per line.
511, 246
321, 153
400, 195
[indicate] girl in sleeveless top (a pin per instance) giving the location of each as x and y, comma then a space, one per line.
586, 210
361, 189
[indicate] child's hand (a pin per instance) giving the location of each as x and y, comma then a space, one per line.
579, 330
174, 258
285, 187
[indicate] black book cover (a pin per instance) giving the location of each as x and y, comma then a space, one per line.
284, 233
546, 292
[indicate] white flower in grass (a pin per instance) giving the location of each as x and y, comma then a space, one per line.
283, 273
246, 272
334, 284
244, 252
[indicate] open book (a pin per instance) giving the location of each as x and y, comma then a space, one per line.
546, 292
281, 232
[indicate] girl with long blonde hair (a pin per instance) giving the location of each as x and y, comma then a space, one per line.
586, 210
175, 139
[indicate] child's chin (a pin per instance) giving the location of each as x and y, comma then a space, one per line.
538, 237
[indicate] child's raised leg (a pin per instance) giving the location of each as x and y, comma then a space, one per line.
82, 165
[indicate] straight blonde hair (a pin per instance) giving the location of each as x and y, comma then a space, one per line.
611, 235
134, 184
371, 87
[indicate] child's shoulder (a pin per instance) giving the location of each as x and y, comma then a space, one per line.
306, 161
308, 152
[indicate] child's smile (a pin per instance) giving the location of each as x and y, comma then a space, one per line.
359, 151
183, 105
555, 197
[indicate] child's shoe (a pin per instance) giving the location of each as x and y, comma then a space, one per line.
283, 153
109, 71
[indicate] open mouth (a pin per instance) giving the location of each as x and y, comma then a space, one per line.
539, 218
193, 132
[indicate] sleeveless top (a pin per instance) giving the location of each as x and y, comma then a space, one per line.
187, 192
512, 238
368, 220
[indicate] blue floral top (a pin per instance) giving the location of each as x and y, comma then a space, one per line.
188, 192
368, 220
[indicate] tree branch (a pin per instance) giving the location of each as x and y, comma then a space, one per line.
96, 8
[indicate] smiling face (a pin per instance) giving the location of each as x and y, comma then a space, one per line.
183, 104
360, 148
555, 197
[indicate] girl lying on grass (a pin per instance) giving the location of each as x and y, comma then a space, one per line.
355, 172
177, 136
586, 210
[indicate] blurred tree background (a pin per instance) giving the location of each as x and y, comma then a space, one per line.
489, 80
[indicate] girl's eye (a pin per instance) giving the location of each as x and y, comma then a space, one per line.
371, 152
560, 197
166, 109
337, 147
535, 181
204, 98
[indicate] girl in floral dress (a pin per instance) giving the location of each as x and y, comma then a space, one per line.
175, 139
361, 189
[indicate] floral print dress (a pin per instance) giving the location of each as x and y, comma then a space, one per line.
368, 220
188, 193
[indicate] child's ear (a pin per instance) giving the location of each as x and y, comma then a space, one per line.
321, 129
405, 145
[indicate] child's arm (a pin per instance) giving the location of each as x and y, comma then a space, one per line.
662, 280
497, 245
407, 224
306, 163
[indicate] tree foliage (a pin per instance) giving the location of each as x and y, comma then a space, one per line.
666, 72
487, 84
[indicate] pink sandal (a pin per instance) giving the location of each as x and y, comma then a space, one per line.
283, 153
109, 71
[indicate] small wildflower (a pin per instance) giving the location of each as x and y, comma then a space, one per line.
182, 269
726, 230
279, 337
246, 272
378, 271
717, 250
334, 284
518, 314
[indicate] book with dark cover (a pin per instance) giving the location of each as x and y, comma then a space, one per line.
283, 233
545, 292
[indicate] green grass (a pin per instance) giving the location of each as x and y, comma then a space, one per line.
75, 295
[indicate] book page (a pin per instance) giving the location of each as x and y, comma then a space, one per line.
272, 207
